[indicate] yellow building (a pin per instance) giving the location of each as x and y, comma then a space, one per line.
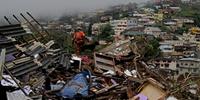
194, 30
158, 16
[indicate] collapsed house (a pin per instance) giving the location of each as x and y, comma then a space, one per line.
40, 70
113, 55
28, 59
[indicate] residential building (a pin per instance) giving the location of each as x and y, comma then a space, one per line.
123, 24
175, 8
178, 49
187, 49
165, 63
96, 28
166, 48
188, 21
157, 1
168, 36
170, 22
138, 30
139, 15
153, 31
144, 21
158, 16
188, 65
186, 1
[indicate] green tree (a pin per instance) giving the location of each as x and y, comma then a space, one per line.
62, 40
106, 32
196, 17
152, 49
89, 32
181, 30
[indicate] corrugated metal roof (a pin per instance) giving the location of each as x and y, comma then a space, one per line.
13, 30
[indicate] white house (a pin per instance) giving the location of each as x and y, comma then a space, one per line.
165, 63
188, 65
166, 49
121, 25
155, 31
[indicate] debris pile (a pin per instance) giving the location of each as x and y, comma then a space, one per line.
38, 70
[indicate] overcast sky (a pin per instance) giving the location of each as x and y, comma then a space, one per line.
54, 7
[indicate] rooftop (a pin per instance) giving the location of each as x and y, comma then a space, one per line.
153, 28
190, 59
133, 33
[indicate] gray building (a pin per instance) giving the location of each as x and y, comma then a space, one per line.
188, 65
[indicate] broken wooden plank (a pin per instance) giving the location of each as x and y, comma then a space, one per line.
2, 61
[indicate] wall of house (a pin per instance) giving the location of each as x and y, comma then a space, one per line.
166, 48
166, 64
188, 67
151, 32
121, 25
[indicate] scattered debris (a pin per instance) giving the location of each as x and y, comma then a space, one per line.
39, 69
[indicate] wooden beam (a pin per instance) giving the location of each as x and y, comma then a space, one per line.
33, 27
15, 80
38, 23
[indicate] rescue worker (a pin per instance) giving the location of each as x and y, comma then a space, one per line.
78, 40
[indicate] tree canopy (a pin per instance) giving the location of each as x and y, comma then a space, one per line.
106, 32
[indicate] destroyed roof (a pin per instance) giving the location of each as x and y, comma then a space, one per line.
117, 48
14, 30
5, 41
21, 66
25, 62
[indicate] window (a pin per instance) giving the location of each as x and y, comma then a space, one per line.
167, 65
192, 64
177, 65
189, 70
194, 70
186, 64
157, 64
181, 63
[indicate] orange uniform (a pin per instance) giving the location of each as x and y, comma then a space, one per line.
79, 41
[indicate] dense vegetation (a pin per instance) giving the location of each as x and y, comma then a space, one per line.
152, 49
106, 33
62, 40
